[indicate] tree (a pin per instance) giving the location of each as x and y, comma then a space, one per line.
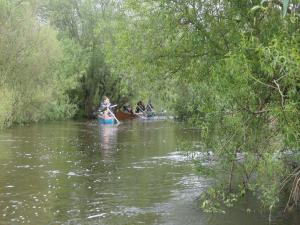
87, 24
29, 49
237, 68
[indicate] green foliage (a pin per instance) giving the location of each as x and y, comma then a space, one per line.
215, 201
89, 25
53, 60
6, 99
235, 75
29, 84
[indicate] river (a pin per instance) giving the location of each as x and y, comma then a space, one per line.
80, 173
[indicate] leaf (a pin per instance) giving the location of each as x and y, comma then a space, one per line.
257, 7
263, 1
285, 7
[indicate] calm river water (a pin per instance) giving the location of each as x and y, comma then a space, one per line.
81, 173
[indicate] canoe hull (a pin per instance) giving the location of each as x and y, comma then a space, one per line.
125, 116
105, 121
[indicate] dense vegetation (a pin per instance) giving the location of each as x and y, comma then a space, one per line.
31, 86
229, 67
52, 59
234, 66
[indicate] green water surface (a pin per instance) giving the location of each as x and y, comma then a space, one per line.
82, 173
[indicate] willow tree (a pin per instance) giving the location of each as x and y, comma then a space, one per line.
233, 68
28, 52
87, 24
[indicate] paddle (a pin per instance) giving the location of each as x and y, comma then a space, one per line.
118, 122
102, 110
143, 117
150, 107
108, 108
143, 111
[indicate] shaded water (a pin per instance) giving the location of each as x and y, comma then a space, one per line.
81, 173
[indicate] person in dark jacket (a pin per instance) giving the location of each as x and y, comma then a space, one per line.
140, 107
149, 107
127, 108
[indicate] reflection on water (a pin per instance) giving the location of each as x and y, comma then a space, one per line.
80, 173
108, 136
108, 140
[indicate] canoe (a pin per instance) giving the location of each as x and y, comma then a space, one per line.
105, 121
125, 116
150, 114
147, 115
